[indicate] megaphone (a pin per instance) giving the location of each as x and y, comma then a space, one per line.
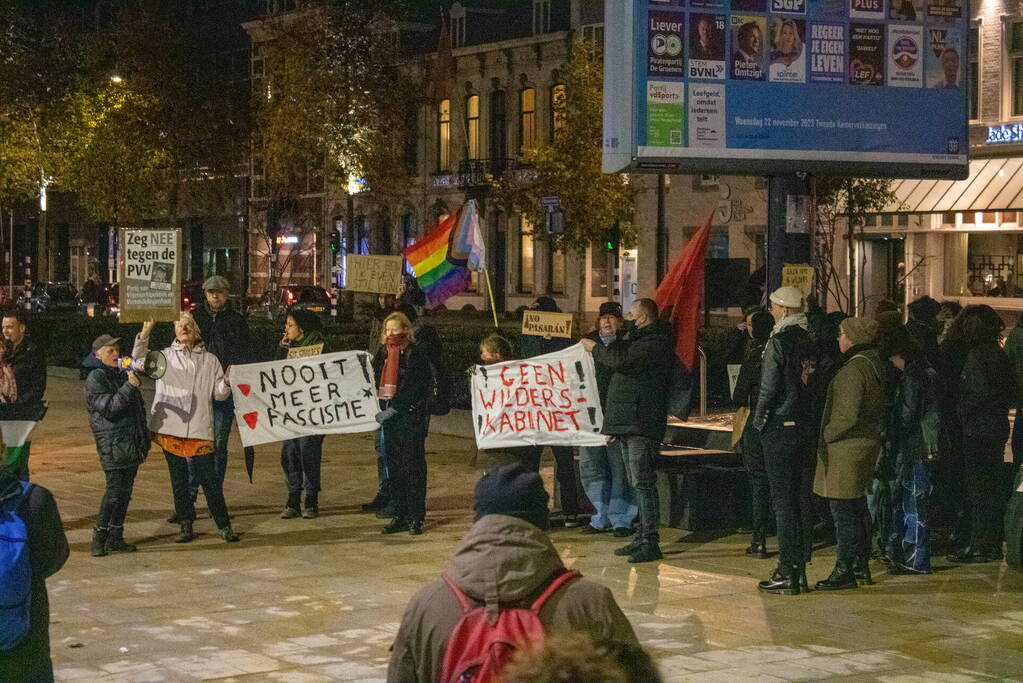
154, 365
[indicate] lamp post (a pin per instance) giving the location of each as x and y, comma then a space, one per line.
353, 187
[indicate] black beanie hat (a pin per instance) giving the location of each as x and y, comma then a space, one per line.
514, 491
610, 308
309, 322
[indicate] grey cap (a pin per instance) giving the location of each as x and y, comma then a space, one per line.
104, 340
216, 283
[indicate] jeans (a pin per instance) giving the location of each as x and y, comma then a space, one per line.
640, 452
405, 452
114, 505
384, 488
788, 458
564, 471
205, 470
985, 492
300, 460
606, 483
852, 525
223, 418
909, 538
760, 490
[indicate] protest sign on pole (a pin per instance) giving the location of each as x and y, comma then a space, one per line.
549, 399
547, 325
285, 399
373, 274
150, 274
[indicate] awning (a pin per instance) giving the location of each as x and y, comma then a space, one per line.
994, 185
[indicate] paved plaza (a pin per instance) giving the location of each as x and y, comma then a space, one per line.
317, 600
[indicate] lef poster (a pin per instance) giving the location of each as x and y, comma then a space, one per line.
549, 399
866, 54
150, 274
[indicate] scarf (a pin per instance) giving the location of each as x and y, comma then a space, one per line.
396, 343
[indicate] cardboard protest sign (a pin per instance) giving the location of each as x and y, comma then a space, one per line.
547, 325
150, 274
329, 394
549, 399
798, 275
305, 351
374, 274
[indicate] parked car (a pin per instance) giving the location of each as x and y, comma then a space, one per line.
51, 297
290, 297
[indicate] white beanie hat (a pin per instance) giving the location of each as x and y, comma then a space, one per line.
789, 297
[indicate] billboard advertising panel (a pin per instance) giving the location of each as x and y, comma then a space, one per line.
843, 87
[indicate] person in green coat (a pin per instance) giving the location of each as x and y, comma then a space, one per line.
848, 448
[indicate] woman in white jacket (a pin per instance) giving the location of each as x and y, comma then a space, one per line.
181, 420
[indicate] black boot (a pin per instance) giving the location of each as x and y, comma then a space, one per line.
646, 552
627, 550
786, 581
842, 577
757, 545
292, 506
861, 568
185, 535
312, 506
228, 534
115, 541
395, 526
379, 502
99, 542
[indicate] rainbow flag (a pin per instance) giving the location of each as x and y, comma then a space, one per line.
444, 256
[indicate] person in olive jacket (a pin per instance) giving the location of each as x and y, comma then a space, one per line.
986, 391
849, 445
117, 416
637, 413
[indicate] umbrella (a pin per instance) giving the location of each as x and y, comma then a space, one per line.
250, 460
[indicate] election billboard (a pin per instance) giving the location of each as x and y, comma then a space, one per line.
870, 88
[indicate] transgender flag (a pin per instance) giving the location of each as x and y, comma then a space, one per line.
443, 258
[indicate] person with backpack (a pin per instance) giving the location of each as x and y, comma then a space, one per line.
33, 547
505, 584
117, 416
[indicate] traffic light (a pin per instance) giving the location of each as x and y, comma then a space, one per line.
614, 238
335, 241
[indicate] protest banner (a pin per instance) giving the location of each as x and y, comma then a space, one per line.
285, 399
373, 274
305, 351
547, 325
798, 275
150, 274
549, 399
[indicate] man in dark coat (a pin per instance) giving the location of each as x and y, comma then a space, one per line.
637, 413
225, 334
28, 362
47, 551
117, 417
923, 328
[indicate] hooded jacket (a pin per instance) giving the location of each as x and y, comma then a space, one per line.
503, 560
783, 393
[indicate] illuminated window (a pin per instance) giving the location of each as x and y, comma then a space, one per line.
525, 256
472, 127
444, 135
527, 120
983, 264
558, 109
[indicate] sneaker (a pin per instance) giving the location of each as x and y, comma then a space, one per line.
311, 513
185, 534
647, 552
415, 528
290, 513
228, 534
627, 550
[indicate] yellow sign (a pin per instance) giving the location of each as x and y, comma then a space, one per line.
305, 351
798, 275
547, 325
374, 274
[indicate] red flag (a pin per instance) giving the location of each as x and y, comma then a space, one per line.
681, 295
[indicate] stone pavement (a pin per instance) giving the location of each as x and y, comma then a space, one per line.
316, 600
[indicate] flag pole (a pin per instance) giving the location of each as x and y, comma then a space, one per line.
490, 291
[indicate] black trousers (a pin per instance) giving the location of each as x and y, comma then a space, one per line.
760, 490
404, 446
985, 491
788, 458
852, 527
564, 472
205, 470
300, 460
114, 506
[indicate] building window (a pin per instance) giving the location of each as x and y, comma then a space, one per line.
556, 274
472, 127
498, 126
558, 109
984, 264
600, 272
458, 29
1015, 48
594, 35
527, 120
974, 72
525, 256
541, 16
444, 136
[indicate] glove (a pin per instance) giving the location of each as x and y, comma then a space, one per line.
385, 415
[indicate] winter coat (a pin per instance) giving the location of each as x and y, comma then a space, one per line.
29, 363
509, 561
643, 368
415, 379
604, 373
747, 384
783, 392
117, 416
47, 553
850, 439
1014, 350
183, 403
926, 337
915, 420
225, 334
987, 390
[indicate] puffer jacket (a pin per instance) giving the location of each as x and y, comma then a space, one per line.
117, 417
183, 404
783, 392
507, 561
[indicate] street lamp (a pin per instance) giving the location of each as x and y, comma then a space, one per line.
116, 79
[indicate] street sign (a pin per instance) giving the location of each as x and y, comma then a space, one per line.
752, 87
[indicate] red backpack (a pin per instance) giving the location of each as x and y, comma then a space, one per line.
477, 651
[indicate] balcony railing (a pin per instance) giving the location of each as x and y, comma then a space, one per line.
475, 174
